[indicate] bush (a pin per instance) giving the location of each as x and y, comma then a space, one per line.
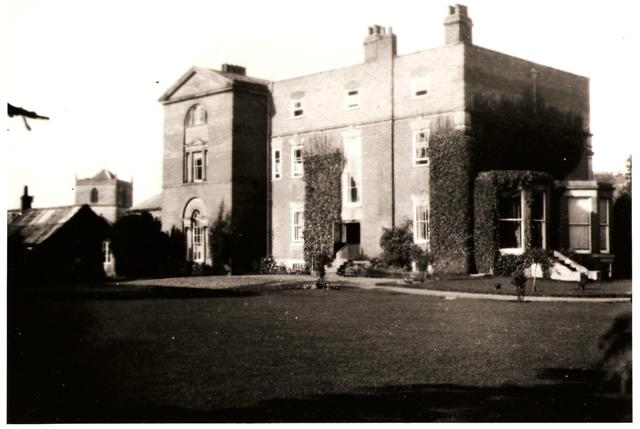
268, 265
518, 279
220, 242
506, 265
397, 246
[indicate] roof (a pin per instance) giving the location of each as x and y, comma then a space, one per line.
153, 203
101, 176
37, 225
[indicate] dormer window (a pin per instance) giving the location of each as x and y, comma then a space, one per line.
297, 108
197, 115
420, 87
352, 100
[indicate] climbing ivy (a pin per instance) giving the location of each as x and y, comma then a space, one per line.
323, 165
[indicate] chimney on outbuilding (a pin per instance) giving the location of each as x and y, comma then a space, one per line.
380, 44
457, 26
26, 200
232, 68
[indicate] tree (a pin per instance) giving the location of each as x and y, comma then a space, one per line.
220, 241
537, 257
139, 245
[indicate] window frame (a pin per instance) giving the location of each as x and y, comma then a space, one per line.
196, 116
421, 162
198, 170
349, 103
297, 229
420, 84
94, 195
295, 171
513, 250
542, 221
416, 222
300, 108
582, 225
352, 170
276, 163
606, 225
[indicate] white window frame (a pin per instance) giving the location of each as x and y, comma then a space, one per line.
297, 229
420, 84
297, 163
106, 251
515, 250
297, 105
420, 161
198, 238
416, 221
352, 99
570, 224
606, 225
276, 163
352, 170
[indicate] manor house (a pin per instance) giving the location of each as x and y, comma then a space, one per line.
234, 147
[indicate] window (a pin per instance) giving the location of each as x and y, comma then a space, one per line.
276, 169
603, 215
197, 115
297, 165
197, 238
421, 222
297, 108
198, 167
94, 195
297, 225
106, 251
420, 145
580, 223
538, 210
352, 100
420, 87
510, 222
352, 176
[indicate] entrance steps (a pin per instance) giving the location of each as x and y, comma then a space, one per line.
566, 269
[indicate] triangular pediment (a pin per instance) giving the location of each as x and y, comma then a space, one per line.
194, 83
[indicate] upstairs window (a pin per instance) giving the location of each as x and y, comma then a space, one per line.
420, 87
352, 176
276, 157
421, 222
297, 108
352, 100
510, 222
94, 195
198, 167
195, 167
297, 161
420, 146
197, 115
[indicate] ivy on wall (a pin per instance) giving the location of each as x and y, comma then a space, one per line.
451, 214
522, 135
489, 186
323, 165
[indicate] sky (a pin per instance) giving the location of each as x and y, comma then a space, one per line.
97, 69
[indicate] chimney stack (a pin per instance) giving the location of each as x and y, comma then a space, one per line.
26, 200
232, 68
457, 26
380, 44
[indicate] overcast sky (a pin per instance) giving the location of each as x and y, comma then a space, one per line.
97, 68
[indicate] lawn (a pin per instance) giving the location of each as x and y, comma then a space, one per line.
145, 354
544, 287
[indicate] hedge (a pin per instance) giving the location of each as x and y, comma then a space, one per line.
488, 187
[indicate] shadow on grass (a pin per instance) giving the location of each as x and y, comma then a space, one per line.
572, 396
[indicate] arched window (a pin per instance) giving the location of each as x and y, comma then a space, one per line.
94, 195
197, 115
197, 237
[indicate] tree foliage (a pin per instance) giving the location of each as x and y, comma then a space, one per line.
221, 241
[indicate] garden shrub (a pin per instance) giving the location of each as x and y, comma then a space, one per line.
323, 165
397, 245
519, 280
451, 175
221, 242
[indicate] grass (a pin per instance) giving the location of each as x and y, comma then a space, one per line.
544, 287
145, 354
